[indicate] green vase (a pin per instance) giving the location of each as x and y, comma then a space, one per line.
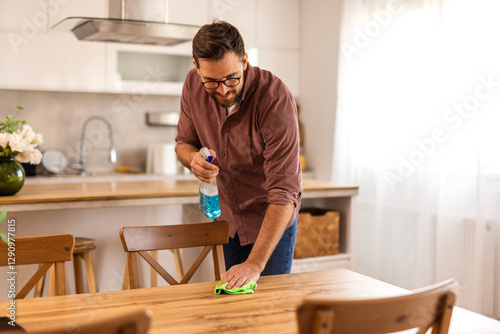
11, 176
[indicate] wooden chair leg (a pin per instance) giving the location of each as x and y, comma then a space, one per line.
77, 268
219, 265
133, 264
60, 278
52, 281
89, 266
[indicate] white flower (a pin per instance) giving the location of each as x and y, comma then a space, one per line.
4, 139
38, 139
20, 143
28, 133
33, 156
17, 142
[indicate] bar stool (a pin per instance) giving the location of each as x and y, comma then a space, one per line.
81, 252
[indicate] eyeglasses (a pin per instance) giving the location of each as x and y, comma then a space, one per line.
231, 82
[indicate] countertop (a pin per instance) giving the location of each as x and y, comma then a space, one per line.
159, 191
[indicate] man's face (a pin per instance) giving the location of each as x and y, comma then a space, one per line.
228, 67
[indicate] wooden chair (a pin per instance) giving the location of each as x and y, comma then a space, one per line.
422, 309
140, 240
132, 322
45, 250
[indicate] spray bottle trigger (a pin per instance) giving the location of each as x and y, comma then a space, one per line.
205, 153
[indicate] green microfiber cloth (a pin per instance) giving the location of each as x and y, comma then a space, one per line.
247, 288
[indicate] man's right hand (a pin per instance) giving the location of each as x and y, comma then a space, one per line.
202, 169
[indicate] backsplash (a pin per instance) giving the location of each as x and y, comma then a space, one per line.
59, 117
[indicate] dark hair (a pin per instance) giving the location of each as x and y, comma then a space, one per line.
213, 40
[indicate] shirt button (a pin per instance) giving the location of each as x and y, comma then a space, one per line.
231, 195
236, 212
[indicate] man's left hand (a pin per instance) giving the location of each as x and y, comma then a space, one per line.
241, 274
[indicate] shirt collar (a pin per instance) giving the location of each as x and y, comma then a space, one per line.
249, 81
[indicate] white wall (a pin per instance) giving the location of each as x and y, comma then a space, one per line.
318, 81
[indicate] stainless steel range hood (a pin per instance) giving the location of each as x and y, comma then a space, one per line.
131, 21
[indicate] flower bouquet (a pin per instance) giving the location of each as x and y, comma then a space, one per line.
18, 144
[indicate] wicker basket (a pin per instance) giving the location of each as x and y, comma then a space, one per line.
317, 233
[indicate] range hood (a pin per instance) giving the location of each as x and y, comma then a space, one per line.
130, 21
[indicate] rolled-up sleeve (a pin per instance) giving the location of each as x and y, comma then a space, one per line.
280, 134
186, 131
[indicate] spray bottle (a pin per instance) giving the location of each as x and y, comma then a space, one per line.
209, 195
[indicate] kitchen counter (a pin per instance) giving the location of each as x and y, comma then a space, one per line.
47, 196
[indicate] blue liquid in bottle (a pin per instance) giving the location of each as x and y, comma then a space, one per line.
209, 205
209, 195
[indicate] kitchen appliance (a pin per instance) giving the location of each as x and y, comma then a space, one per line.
130, 21
161, 159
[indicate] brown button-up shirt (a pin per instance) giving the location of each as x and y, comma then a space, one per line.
257, 147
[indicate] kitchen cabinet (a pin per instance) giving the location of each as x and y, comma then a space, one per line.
146, 69
34, 57
340, 201
23, 16
194, 12
278, 40
278, 25
52, 63
240, 13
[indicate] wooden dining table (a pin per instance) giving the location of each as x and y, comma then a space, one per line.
194, 308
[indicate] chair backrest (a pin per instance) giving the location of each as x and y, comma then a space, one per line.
139, 240
45, 250
132, 322
422, 309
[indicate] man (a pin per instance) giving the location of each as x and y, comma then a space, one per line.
248, 119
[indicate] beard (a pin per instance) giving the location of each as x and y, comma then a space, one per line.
227, 103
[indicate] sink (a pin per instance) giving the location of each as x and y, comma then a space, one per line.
103, 177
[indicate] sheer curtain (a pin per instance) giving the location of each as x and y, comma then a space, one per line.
418, 129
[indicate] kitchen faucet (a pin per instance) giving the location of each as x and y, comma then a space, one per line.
83, 146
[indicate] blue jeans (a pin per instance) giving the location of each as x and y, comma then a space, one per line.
280, 261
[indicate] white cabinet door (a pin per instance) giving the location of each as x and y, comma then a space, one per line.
278, 24
193, 12
23, 16
52, 63
241, 14
35, 57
